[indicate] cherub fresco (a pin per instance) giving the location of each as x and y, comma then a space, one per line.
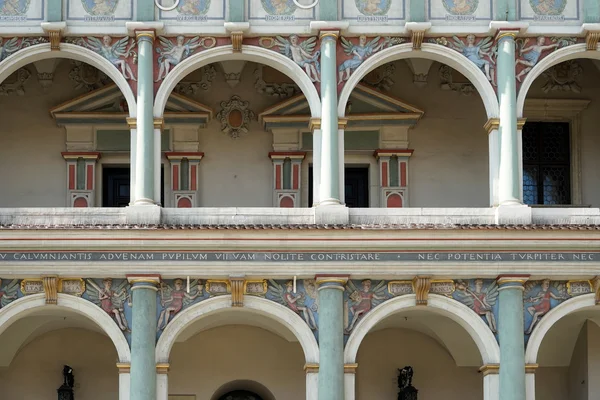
539, 296
479, 53
9, 292
298, 302
111, 300
303, 54
172, 54
360, 52
362, 300
112, 52
174, 299
479, 299
529, 56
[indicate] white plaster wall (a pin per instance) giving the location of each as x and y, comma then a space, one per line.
213, 358
32, 170
593, 360
36, 371
436, 374
578, 369
552, 383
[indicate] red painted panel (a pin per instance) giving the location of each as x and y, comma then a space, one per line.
384, 174
286, 202
394, 201
175, 183
295, 177
403, 174
184, 202
80, 202
193, 177
71, 177
90, 177
278, 177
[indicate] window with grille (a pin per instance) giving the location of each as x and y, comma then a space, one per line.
546, 163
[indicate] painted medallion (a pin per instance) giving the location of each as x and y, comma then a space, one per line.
193, 7
373, 7
460, 7
548, 7
279, 7
100, 7
14, 7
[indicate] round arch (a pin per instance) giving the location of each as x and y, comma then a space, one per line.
256, 305
30, 304
458, 312
71, 51
562, 310
429, 51
241, 385
249, 53
556, 57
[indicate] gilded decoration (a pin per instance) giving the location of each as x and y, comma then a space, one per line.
256, 287
120, 52
51, 289
235, 116
10, 46
218, 287
32, 286
72, 286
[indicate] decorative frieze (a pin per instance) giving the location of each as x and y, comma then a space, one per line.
529, 54
287, 178
299, 296
120, 52
481, 296
357, 50
302, 51
172, 52
9, 46
81, 178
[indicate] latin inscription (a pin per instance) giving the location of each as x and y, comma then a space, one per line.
278, 257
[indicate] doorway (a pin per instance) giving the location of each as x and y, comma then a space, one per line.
356, 186
116, 186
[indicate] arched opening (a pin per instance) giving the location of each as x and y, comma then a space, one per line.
559, 100
243, 390
568, 370
64, 124
261, 348
445, 343
43, 338
252, 137
427, 147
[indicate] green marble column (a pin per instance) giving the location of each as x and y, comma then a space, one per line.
509, 185
511, 337
331, 338
329, 192
144, 160
143, 337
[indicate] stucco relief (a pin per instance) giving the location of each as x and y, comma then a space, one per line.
173, 297
354, 51
481, 52
9, 46
531, 50
9, 291
120, 52
303, 52
171, 53
481, 296
235, 116
301, 298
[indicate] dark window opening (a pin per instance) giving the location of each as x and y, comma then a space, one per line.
546, 163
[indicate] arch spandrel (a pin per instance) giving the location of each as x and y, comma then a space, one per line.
27, 50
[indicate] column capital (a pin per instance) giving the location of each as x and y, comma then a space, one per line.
311, 368
148, 281
314, 123
506, 34
331, 281
149, 35
158, 123
163, 368
493, 124
124, 368
350, 368
512, 281
531, 368
342, 123
329, 34
490, 369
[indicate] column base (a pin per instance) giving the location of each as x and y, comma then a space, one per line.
517, 214
330, 202
144, 202
335, 214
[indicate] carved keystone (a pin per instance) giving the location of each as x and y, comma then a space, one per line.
237, 292
237, 37
417, 39
591, 40
51, 289
421, 285
54, 40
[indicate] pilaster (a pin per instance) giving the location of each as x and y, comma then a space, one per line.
315, 128
530, 381
491, 388
143, 336
184, 178
331, 337
511, 337
287, 168
329, 193
81, 178
124, 380
509, 186
393, 177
